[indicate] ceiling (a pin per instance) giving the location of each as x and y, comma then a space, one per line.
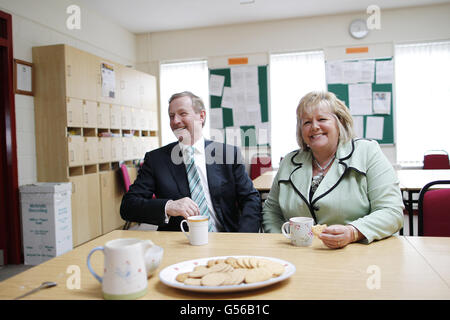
141, 16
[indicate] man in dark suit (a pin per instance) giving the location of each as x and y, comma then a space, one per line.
161, 194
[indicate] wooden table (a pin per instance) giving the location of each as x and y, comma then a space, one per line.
264, 182
409, 268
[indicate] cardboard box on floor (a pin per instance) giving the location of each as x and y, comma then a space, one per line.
46, 221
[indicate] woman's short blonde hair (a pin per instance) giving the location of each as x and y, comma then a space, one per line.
337, 108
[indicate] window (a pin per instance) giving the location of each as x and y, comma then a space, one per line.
177, 77
291, 77
422, 74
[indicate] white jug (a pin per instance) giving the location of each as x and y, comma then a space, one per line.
127, 264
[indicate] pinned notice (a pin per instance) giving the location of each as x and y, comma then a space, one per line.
374, 128
358, 126
108, 80
216, 83
360, 98
216, 118
382, 102
385, 71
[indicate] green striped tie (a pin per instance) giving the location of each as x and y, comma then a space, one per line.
197, 194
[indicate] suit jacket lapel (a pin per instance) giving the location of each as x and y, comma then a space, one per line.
330, 180
178, 169
301, 176
212, 170
336, 172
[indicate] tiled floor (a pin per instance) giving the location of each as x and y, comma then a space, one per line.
11, 270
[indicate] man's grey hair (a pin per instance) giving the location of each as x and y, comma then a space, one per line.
197, 102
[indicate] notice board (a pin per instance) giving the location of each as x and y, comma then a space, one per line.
365, 86
239, 105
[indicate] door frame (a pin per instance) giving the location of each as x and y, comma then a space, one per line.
10, 226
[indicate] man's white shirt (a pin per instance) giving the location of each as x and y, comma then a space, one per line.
200, 164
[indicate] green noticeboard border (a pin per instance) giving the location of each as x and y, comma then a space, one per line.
341, 91
216, 101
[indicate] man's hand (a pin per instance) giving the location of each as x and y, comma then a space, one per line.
184, 207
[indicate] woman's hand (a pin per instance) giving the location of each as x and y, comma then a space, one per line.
336, 236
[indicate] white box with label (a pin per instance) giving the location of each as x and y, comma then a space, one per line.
46, 220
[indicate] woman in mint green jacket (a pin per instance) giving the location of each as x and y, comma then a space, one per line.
345, 183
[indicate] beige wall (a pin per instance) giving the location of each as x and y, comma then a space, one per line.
325, 32
43, 22
330, 33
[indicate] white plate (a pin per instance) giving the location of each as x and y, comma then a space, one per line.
168, 275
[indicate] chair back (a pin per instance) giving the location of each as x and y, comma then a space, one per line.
436, 159
434, 210
259, 165
125, 177
126, 184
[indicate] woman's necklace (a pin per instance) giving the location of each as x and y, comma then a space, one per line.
317, 179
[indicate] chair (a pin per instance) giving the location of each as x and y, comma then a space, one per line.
259, 165
434, 210
126, 184
436, 159
125, 177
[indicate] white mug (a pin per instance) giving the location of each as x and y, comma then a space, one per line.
300, 232
127, 264
198, 230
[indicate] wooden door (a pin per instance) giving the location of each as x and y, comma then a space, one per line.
147, 90
104, 149
89, 114
86, 214
129, 87
111, 191
74, 112
75, 149
103, 116
77, 67
10, 234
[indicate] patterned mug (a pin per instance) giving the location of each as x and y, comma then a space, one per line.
299, 231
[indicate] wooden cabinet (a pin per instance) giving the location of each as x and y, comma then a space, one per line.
90, 150
74, 112
129, 87
103, 116
111, 193
126, 118
116, 149
76, 151
86, 209
115, 116
80, 79
148, 98
104, 150
90, 115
